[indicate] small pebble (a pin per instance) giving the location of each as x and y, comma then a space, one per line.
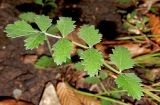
17, 93
4, 47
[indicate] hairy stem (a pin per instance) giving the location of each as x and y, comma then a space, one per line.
58, 37
80, 45
49, 45
104, 89
111, 68
54, 36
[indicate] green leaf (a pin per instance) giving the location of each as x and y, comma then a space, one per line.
121, 57
33, 41
65, 25
92, 80
43, 22
105, 102
44, 62
40, 2
62, 50
52, 30
103, 75
19, 28
90, 35
28, 16
92, 61
117, 95
131, 83
51, 3
79, 66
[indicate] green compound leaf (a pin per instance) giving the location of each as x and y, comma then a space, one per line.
92, 61
44, 62
33, 41
28, 16
65, 25
43, 22
62, 50
121, 57
90, 35
92, 80
131, 83
19, 28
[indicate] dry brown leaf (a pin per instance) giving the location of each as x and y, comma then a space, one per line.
67, 95
13, 102
70, 97
87, 100
41, 49
154, 22
49, 96
135, 48
29, 59
153, 74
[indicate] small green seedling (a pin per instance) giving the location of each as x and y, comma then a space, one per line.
91, 59
135, 24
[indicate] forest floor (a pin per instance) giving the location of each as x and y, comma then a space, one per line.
17, 69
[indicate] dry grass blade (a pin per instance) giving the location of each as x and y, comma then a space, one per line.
67, 95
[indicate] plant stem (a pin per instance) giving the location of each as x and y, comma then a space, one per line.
111, 68
80, 45
58, 37
154, 96
131, 37
54, 36
104, 89
111, 92
102, 97
48, 44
